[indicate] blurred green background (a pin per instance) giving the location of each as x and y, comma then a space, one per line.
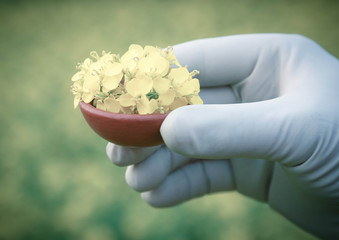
55, 179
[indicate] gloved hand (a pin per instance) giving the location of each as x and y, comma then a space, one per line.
269, 129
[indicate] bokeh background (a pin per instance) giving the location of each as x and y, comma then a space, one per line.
55, 179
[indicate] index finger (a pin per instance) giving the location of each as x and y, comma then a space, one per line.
223, 60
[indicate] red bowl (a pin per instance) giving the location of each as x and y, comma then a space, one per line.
124, 129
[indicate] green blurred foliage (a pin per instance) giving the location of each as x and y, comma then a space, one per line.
55, 179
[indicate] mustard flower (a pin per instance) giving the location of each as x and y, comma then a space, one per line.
144, 80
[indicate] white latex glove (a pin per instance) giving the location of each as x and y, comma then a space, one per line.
270, 129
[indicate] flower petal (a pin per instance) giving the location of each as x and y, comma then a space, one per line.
140, 85
145, 106
137, 48
126, 110
76, 100
145, 65
106, 57
112, 105
78, 76
91, 83
129, 65
170, 56
179, 75
154, 63
195, 100
178, 102
150, 49
161, 85
86, 63
87, 97
112, 82
167, 98
112, 69
126, 100
189, 87
100, 105
95, 67
76, 87
134, 51
160, 63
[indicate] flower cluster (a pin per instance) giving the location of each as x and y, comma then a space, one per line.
143, 81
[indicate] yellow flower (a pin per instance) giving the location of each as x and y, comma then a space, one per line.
106, 57
179, 75
195, 100
134, 51
130, 58
167, 98
178, 102
78, 76
190, 86
150, 49
77, 91
183, 83
153, 65
112, 76
177, 84
142, 103
87, 62
140, 85
145, 106
161, 84
90, 86
100, 105
85, 90
144, 81
170, 56
109, 104
127, 100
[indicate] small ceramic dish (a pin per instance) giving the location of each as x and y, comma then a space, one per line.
133, 130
